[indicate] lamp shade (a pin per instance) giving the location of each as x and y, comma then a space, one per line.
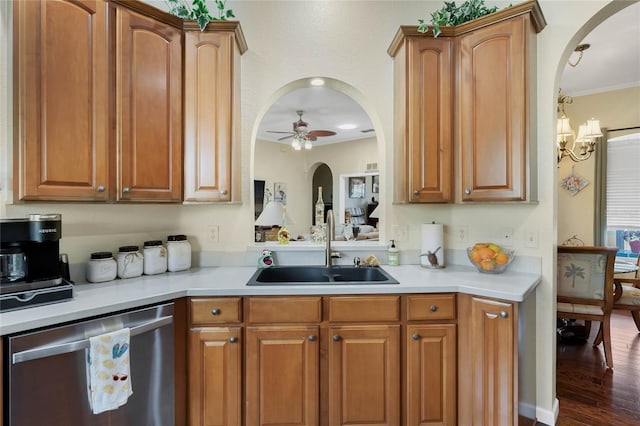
582, 134
593, 129
273, 215
564, 127
375, 213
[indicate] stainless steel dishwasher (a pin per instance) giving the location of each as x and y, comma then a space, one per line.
47, 382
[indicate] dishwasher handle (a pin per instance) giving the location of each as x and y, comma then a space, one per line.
65, 348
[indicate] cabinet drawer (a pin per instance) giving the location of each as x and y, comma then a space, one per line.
284, 309
364, 308
216, 310
431, 307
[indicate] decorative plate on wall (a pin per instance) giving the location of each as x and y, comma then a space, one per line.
574, 183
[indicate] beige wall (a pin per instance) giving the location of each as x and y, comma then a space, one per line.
615, 109
347, 41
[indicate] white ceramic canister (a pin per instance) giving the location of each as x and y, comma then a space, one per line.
101, 267
179, 253
130, 262
155, 257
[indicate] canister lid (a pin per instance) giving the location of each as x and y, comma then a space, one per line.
101, 255
127, 249
152, 243
179, 237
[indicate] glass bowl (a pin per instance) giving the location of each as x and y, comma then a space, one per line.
491, 264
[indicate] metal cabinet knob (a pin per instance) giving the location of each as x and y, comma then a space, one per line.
233, 339
215, 311
126, 190
336, 338
467, 192
100, 188
223, 191
504, 314
433, 308
416, 192
312, 338
416, 337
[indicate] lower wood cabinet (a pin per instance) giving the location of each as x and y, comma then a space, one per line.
411, 360
364, 375
282, 375
215, 376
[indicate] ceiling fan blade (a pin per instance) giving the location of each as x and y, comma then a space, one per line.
285, 137
315, 133
274, 131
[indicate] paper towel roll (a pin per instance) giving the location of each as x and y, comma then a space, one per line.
432, 242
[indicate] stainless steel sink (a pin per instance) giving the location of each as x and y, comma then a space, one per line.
318, 275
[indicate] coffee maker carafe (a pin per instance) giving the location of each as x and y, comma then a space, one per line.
30, 261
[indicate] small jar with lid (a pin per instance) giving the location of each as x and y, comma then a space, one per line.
179, 253
130, 262
155, 257
101, 267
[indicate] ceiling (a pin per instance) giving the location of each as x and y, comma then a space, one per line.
612, 62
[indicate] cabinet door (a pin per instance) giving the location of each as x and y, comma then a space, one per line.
148, 61
282, 371
493, 111
429, 120
208, 108
488, 350
215, 377
61, 100
431, 375
364, 375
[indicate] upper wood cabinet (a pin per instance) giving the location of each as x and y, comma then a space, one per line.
61, 82
212, 111
148, 108
423, 102
493, 111
470, 89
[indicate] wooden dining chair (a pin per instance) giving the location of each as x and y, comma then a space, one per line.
586, 289
627, 296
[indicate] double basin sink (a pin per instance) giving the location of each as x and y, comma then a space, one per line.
320, 275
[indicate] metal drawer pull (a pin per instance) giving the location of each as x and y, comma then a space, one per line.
433, 308
336, 338
126, 190
215, 311
232, 340
467, 192
416, 192
312, 338
101, 189
223, 192
65, 348
504, 314
416, 337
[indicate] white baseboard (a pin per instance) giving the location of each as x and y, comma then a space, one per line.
527, 410
545, 416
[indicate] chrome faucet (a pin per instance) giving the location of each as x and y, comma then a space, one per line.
331, 231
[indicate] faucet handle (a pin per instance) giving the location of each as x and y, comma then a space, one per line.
335, 255
356, 261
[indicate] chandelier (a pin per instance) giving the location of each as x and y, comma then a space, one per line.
584, 144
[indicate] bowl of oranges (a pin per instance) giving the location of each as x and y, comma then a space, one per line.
490, 258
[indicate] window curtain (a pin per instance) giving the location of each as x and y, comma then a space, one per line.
600, 197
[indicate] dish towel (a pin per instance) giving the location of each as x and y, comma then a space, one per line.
108, 370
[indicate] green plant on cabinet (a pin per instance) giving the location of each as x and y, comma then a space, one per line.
451, 15
198, 11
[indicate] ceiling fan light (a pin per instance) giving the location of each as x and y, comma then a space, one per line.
295, 144
308, 144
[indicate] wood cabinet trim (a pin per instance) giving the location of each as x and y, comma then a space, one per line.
531, 7
284, 309
359, 309
229, 310
221, 26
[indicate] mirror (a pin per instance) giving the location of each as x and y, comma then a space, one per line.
310, 137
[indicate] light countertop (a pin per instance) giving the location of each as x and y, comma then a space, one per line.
104, 298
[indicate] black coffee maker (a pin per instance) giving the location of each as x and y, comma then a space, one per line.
30, 266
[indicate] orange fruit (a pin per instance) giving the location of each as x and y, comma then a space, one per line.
486, 253
475, 256
487, 265
502, 258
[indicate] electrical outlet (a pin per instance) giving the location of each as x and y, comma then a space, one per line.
506, 235
531, 239
462, 233
214, 233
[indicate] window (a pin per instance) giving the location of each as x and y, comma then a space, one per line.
623, 194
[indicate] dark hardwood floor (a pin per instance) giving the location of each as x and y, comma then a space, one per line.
591, 395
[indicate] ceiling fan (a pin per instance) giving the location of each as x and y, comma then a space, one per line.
301, 134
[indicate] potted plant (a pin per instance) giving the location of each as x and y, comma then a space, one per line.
198, 11
451, 15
